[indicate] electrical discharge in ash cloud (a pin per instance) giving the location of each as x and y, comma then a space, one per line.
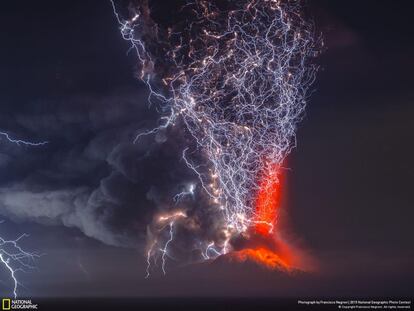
236, 74
9, 139
13, 258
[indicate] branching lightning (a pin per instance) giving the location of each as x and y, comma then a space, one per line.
237, 78
163, 223
164, 250
15, 259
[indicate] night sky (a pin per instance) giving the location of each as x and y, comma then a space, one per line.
86, 197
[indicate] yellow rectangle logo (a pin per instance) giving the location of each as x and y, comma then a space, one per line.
5, 304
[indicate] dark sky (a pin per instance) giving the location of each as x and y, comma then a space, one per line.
65, 77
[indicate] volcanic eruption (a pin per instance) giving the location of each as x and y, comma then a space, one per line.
234, 75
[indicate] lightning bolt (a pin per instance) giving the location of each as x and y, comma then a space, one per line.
164, 221
188, 192
164, 250
14, 258
22, 142
211, 249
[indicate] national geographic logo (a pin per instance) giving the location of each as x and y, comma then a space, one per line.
5, 304
17, 304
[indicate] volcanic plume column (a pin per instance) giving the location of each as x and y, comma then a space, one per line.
235, 75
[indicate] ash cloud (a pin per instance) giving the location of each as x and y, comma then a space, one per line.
91, 176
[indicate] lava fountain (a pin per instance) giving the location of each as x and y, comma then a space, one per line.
262, 243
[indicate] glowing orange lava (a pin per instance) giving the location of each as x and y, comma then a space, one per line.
262, 256
268, 201
265, 245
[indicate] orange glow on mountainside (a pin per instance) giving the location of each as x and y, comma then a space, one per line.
262, 256
263, 243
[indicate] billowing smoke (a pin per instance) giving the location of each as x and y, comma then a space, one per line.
90, 175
